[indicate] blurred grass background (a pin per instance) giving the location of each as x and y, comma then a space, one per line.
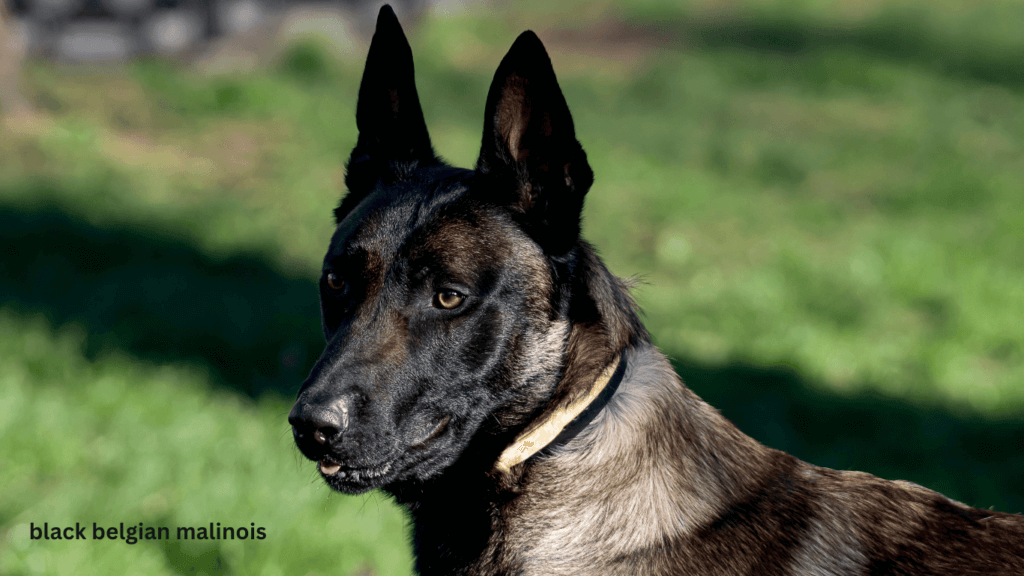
822, 198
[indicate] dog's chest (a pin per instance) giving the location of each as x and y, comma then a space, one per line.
573, 524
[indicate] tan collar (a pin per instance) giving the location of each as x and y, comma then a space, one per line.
529, 444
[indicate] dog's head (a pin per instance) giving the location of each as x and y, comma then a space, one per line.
446, 297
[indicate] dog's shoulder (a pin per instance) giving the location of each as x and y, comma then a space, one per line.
715, 501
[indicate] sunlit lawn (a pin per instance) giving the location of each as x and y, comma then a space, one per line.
823, 204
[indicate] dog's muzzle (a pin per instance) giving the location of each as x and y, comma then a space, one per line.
318, 429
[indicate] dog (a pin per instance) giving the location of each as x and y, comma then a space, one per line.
485, 369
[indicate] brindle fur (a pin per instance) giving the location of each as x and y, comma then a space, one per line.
420, 401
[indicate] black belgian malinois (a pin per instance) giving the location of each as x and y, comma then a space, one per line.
485, 369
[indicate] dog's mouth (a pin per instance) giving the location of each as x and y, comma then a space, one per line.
353, 480
359, 479
329, 467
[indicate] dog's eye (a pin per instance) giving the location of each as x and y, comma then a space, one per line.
334, 282
448, 299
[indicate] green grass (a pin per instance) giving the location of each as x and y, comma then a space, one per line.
115, 439
823, 204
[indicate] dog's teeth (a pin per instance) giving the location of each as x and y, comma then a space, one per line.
328, 468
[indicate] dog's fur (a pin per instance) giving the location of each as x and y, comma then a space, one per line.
420, 400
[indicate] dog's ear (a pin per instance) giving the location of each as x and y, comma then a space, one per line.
530, 159
393, 137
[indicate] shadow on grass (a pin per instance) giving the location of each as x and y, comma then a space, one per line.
158, 298
967, 457
899, 37
190, 558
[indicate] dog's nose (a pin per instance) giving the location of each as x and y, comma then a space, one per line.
324, 423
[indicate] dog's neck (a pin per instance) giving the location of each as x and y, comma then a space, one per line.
566, 422
605, 332
604, 323
652, 412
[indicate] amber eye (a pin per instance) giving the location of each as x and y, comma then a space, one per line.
334, 282
448, 299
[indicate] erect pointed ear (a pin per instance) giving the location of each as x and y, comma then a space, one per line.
393, 137
530, 157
